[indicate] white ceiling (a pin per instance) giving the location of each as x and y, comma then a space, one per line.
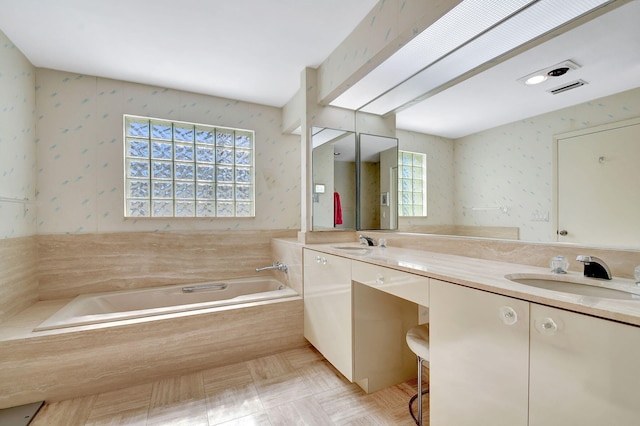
248, 50
255, 50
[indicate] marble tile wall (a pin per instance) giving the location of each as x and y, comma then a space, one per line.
18, 276
73, 264
289, 252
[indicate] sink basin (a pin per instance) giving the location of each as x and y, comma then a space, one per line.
354, 249
579, 286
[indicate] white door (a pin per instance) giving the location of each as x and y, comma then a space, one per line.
599, 186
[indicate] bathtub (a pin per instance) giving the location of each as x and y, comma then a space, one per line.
128, 304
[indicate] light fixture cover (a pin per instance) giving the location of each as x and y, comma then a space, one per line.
541, 75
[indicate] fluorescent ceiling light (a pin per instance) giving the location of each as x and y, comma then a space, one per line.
493, 38
465, 21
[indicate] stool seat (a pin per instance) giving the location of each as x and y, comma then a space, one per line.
418, 341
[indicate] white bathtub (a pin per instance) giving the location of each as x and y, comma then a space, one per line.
122, 305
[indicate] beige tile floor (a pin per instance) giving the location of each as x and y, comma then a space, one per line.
298, 387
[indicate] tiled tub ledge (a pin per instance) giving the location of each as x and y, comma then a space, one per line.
70, 362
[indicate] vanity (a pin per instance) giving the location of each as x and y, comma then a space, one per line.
502, 352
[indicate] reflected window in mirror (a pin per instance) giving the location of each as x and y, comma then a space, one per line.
412, 184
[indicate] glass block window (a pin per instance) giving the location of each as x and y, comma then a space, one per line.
177, 169
412, 184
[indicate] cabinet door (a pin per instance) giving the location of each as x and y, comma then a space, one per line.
327, 308
584, 370
479, 369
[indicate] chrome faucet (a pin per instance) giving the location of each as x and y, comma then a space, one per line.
595, 267
276, 266
367, 240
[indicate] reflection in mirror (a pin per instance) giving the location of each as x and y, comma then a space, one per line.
377, 177
491, 155
334, 179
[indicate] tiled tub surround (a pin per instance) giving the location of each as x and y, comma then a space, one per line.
66, 363
18, 277
75, 264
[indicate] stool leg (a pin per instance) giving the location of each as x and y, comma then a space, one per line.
419, 391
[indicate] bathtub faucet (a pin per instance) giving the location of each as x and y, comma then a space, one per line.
277, 265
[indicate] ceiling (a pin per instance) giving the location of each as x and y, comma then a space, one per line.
248, 50
255, 50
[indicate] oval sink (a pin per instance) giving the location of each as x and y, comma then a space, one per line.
568, 285
353, 249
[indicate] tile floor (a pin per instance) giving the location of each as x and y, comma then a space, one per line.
298, 387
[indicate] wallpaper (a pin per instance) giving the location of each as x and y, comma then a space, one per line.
80, 154
17, 141
504, 176
440, 184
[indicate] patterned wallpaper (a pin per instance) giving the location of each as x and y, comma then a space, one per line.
440, 184
17, 141
511, 166
80, 166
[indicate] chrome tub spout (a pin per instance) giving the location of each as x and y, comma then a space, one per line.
276, 266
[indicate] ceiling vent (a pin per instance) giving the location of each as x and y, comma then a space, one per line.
568, 86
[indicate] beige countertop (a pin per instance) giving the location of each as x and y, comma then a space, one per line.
490, 276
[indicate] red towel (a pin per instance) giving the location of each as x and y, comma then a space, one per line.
337, 209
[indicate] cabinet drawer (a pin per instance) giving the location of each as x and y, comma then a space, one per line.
402, 284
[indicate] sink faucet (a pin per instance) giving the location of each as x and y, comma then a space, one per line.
595, 267
276, 265
366, 240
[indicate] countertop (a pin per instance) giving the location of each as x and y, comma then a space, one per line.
490, 276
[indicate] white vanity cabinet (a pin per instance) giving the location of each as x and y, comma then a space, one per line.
584, 370
357, 315
496, 360
479, 347
327, 308
385, 307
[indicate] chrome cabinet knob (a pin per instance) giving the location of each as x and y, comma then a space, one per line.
508, 315
546, 326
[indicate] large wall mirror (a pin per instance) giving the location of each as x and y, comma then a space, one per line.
490, 139
377, 179
354, 180
333, 179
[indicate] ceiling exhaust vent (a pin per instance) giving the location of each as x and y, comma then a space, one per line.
568, 86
